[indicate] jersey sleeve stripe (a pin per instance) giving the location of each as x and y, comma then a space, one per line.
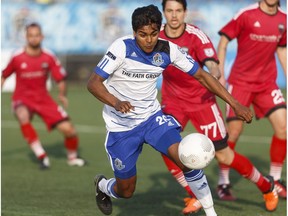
101, 73
250, 7
192, 30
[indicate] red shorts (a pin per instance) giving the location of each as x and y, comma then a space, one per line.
264, 102
50, 112
208, 120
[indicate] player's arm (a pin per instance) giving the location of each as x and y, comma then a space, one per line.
213, 69
221, 52
2, 81
7, 71
62, 93
96, 87
215, 87
282, 56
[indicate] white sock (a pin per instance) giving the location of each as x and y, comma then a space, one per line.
106, 186
275, 170
224, 176
199, 185
37, 148
71, 154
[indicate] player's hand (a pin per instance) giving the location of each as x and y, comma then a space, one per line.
64, 100
124, 106
244, 113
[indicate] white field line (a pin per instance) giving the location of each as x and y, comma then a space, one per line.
102, 130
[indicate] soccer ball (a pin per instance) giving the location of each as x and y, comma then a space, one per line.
196, 151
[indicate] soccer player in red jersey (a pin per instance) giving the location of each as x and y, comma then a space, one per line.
33, 65
187, 100
260, 30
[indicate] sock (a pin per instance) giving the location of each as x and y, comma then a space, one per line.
278, 150
224, 170
199, 185
71, 144
31, 137
245, 168
178, 174
107, 187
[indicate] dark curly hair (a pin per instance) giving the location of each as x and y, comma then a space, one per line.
147, 15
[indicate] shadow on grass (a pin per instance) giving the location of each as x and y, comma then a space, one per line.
55, 150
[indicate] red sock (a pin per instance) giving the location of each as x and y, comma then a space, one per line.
29, 133
31, 137
245, 168
278, 150
177, 173
71, 143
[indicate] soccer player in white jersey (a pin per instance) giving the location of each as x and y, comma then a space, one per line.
125, 81
187, 100
261, 31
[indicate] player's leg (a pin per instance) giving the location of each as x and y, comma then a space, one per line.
209, 121
196, 180
271, 104
164, 136
56, 117
71, 143
234, 129
118, 146
246, 169
23, 116
278, 149
192, 205
116, 188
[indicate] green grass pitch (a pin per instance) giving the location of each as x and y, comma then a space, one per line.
69, 191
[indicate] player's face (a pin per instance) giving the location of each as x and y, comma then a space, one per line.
34, 37
174, 14
147, 37
271, 3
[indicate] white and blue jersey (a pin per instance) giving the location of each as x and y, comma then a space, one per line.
132, 76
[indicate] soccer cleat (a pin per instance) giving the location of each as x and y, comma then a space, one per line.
281, 188
103, 200
271, 197
192, 206
76, 162
224, 192
44, 163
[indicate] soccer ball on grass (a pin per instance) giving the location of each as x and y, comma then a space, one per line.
196, 151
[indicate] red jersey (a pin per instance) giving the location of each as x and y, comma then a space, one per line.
32, 73
179, 86
258, 35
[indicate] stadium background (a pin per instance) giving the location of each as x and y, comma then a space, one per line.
79, 32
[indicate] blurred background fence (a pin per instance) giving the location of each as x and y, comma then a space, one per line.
80, 31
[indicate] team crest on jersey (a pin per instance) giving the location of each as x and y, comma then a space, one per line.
281, 28
118, 164
209, 52
23, 65
44, 65
157, 59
